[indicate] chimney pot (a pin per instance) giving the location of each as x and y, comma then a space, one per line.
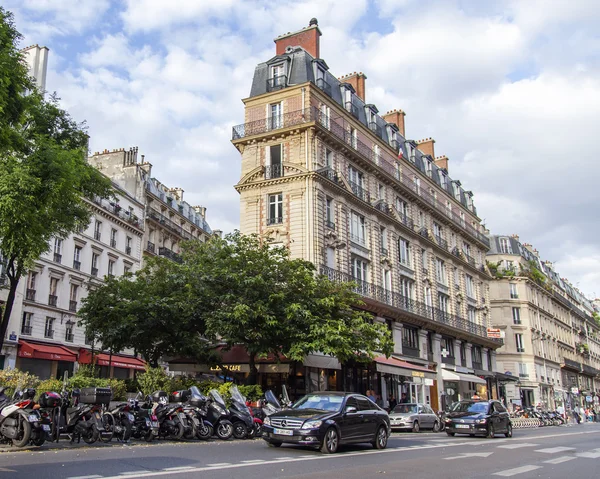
307, 38
397, 118
357, 80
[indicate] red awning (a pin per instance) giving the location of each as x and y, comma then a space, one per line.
45, 351
117, 360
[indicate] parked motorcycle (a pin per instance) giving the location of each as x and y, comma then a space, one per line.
16, 418
217, 414
189, 420
145, 423
196, 409
240, 416
171, 419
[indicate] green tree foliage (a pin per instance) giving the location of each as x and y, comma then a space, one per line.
153, 313
44, 174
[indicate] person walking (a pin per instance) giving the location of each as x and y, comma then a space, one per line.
403, 399
393, 402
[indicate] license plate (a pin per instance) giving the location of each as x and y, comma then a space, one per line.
154, 424
283, 432
33, 418
462, 426
45, 427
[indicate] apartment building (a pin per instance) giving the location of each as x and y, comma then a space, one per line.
43, 335
552, 342
168, 219
339, 184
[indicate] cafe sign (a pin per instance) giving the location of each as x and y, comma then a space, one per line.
228, 367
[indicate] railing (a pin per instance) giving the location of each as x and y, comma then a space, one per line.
72, 305
448, 360
406, 220
49, 333
359, 191
477, 365
167, 223
276, 83
323, 85
385, 160
94, 272
30, 295
275, 220
69, 337
97, 235
170, 254
403, 303
76, 264
470, 259
408, 350
57, 257
127, 249
383, 207
26, 330
113, 243
330, 174
375, 128
330, 224
273, 171
150, 247
441, 241
52, 300
572, 364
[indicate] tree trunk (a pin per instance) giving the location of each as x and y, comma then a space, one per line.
253, 376
13, 279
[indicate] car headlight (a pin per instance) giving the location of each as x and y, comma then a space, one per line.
480, 421
311, 424
267, 421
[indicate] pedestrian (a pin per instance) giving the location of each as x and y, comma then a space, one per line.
393, 402
403, 399
378, 400
371, 395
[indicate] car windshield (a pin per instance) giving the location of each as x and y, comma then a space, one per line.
406, 409
478, 407
320, 401
217, 397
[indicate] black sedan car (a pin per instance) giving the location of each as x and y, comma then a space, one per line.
486, 418
327, 420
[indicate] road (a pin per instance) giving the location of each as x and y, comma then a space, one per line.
555, 452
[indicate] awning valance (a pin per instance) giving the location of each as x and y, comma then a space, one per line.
45, 351
454, 376
402, 368
117, 360
321, 361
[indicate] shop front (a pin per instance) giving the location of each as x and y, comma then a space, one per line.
112, 365
459, 386
45, 360
402, 379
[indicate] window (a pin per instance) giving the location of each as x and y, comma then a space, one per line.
448, 208
424, 259
329, 213
470, 286
407, 288
276, 115
353, 137
505, 246
126, 269
330, 257
447, 344
275, 209
359, 269
519, 343
437, 230
31, 280
274, 162
49, 328
404, 252
410, 337
516, 313
457, 277
463, 353
381, 192
277, 79
95, 257
325, 116
471, 315
384, 240
443, 302
386, 279
376, 154
357, 228
328, 158
69, 332
403, 207
128, 242
440, 271
417, 183
427, 296
53, 286
77, 257
443, 179
427, 166
476, 355
26, 324
74, 291
514, 293
466, 248
421, 219
355, 176
98, 230
113, 238
57, 250
462, 219
523, 373
111, 267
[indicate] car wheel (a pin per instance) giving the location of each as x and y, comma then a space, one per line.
508, 430
416, 427
331, 441
381, 438
490, 432
274, 444
450, 433
436, 427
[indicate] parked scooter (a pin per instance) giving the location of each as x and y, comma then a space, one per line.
217, 414
145, 423
195, 409
171, 419
16, 418
240, 416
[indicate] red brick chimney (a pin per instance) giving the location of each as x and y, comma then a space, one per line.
442, 162
357, 80
307, 38
426, 146
397, 118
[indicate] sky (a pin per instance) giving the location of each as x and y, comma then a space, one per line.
510, 91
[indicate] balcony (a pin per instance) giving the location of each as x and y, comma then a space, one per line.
375, 128
72, 305
94, 272
276, 83
76, 265
384, 207
408, 305
113, 243
167, 223
150, 247
448, 360
273, 171
441, 241
323, 85
128, 250
358, 239
30, 295
116, 209
52, 300
406, 220
330, 224
26, 330
49, 333
330, 174
352, 109
408, 350
170, 254
469, 259
69, 337
275, 220
97, 235
359, 191
57, 257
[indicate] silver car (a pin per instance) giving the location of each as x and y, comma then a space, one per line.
414, 417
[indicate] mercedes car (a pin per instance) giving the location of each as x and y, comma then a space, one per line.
483, 418
327, 420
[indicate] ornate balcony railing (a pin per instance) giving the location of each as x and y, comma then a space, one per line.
167, 223
330, 174
76, 264
359, 191
408, 305
273, 171
383, 207
441, 241
52, 300
276, 83
323, 85
170, 254
150, 247
384, 159
274, 220
406, 220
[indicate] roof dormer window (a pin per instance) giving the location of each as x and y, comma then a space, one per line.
427, 166
443, 179
322, 81
277, 77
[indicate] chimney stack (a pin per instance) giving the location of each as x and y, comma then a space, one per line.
357, 80
426, 146
307, 38
441, 162
201, 210
397, 118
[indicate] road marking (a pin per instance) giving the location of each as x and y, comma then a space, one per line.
554, 450
516, 470
589, 455
470, 454
559, 460
178, 468
219, 464
250, 461
93, 476
517, 446
284, 458
133, 473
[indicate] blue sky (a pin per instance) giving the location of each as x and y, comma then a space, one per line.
510, 91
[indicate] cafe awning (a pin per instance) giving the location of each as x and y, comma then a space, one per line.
321, 361
401, 368
117, 360
454, 376
45, 351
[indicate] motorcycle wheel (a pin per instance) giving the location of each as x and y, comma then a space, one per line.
39, 440
204, 431
108, 425
23, 432
123, 428
224, 430
55, 426
91, 436
240, 431
178, 432
191, 430
149, 437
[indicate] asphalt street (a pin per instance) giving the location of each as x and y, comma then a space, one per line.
554, 452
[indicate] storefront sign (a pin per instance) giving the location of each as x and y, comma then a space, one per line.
428, 382
228, 367
494, 333
418, 374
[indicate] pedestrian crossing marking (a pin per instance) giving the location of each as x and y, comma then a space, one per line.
554, 450
516, 470
559, 460
517, 446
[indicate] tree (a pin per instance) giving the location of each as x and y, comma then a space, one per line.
44, 174
273, 305
152, 312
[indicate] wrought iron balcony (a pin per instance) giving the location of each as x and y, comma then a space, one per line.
330, 174
375, 128
52, 300
330, 224
323, 85
276, 83
170, 254
49, 333
94, 272
275, 220
97, 235
359, 191
441, 241
406, 220
57, 257
72, 305
383, 207
69, 337
76, 264
352, 108
127, 249
150, 247
30, 295
26, 330
167, 223
469, 259
113, 242
273, 171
